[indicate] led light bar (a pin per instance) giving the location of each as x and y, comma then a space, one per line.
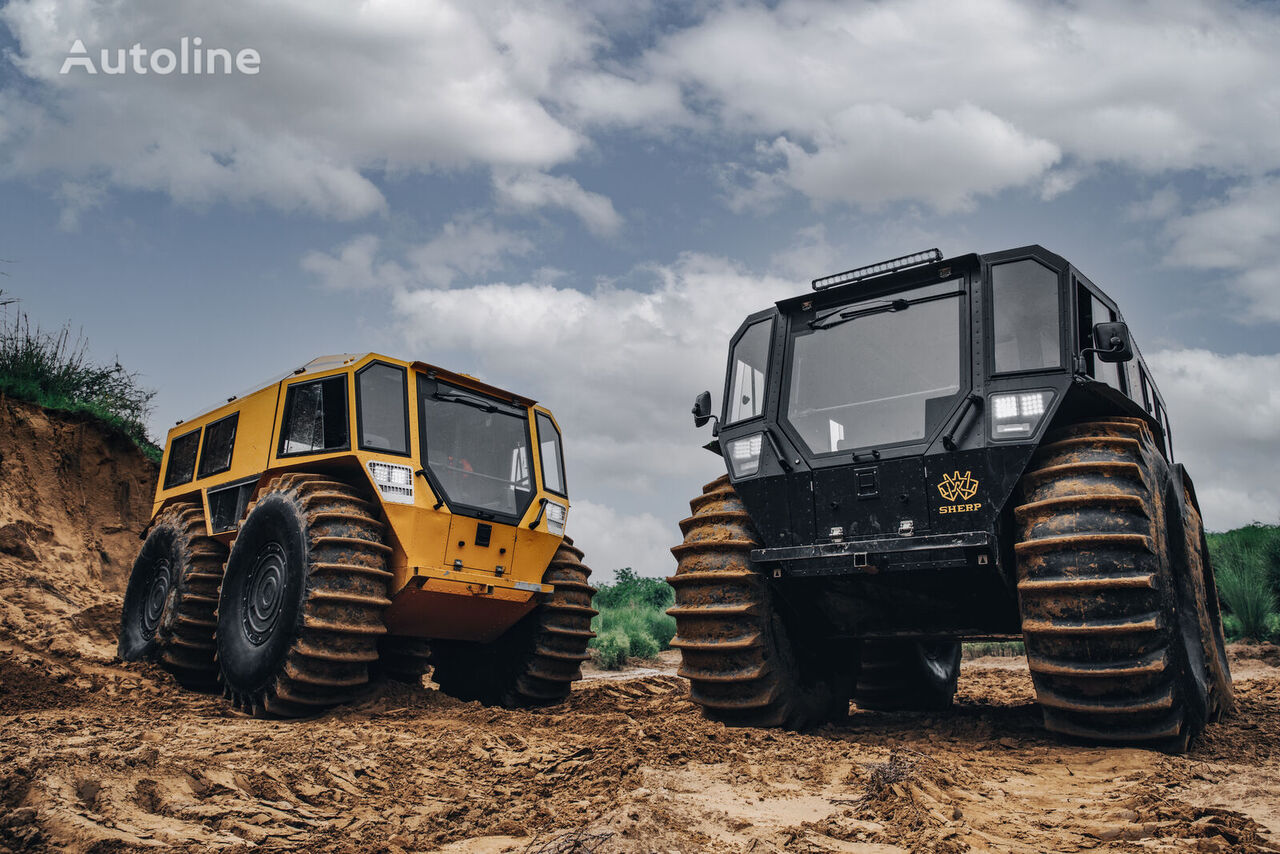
893, 265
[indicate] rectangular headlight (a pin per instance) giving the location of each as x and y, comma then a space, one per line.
744, 454
1016, 415
556, 514
394, 482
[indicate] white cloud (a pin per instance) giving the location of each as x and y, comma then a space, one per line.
1240, 234
1225, 412
1173, 86
466, 247
871, 154
343, 91
532, 190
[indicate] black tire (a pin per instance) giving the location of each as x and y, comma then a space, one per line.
301, 607
1112, 636
734, 645
404, 659
907, 675
1208, 611
536, 662
169, 604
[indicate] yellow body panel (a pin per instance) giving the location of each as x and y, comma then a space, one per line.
444, 584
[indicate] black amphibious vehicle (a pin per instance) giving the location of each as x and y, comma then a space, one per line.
931, 450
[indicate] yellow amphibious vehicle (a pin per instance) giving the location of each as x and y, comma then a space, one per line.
325, 527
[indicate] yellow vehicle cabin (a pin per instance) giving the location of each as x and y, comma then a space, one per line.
362, 515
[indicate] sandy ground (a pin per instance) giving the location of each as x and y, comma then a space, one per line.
99, 756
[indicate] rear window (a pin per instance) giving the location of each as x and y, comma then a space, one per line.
219, 442
182, 459
315, 417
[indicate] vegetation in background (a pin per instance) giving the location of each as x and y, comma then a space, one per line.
53, 369
633, 622
1005, 649
1246, 563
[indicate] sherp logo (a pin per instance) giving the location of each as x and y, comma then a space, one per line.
954, 487
189, 57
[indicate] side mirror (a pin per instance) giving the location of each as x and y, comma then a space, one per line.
702, 409
1112, 343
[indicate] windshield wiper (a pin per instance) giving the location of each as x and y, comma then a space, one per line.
845, 315
478, 404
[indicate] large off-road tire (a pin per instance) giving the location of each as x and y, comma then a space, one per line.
169, 604
1109, 607
536, 662
736, 651
301, 607
907, 675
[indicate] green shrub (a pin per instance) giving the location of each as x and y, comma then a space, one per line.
1231, 627
634, 607
612, 649
662, 626
631, 589
643, 646
54, 371
1245, 589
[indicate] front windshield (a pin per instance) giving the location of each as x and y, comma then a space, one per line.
877, 372
477, 449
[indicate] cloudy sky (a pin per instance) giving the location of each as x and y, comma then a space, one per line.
581, 201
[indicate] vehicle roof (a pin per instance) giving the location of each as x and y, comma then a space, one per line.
336, 361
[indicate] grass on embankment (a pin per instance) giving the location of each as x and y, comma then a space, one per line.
53, 370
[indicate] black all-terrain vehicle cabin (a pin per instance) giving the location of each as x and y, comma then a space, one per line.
926, 451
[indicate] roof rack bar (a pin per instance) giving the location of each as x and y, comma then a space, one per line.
893, 265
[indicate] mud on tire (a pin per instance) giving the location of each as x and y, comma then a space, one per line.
169, 605
301, 607
734, 647
1112, 636
537, 661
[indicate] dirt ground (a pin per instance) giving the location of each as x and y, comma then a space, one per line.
99, 756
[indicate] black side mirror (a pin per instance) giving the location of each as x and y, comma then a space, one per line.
1112, 343
702, 409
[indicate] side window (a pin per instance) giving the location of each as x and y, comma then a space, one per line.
747, 372
1025, 316
219, 443
552, 459
182, 459
384, 408
315, 417
1146, 389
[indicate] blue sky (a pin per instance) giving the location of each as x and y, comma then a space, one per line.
581, 201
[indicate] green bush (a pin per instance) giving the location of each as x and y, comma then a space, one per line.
631, 589
612, 649
634, 608
53, 370
1244, 587
662, 626
644, 646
